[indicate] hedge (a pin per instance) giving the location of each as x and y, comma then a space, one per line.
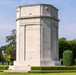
4, 67
55, 68
51, 71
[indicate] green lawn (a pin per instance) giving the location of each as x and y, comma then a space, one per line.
4, 73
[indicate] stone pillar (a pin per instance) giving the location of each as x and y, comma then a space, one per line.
37, 37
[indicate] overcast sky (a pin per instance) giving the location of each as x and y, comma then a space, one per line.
67, 16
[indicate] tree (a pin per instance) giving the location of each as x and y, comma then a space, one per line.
8, 50
12, 39
3, 48
72, 44
13, 55
11, 47
2, 53
63, 45
8, 58
1, 57
67, 58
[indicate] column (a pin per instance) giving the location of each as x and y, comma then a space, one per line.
17, 42
22, 43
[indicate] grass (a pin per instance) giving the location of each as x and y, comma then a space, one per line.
5, 73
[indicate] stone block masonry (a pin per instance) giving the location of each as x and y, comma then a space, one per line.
37, 37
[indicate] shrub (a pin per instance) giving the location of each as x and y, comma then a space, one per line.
67, 58
52, 71
3, 67
54, 68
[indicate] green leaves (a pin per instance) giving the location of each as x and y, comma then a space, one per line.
9, 50
65, 44
12, 39
11, 47
8, 58
67, 58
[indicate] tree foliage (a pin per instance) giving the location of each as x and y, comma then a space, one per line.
72, 46
8, 58
65, 44
2, 52
13, 55
11, 49
12, 39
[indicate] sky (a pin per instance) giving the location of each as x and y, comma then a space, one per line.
67, 16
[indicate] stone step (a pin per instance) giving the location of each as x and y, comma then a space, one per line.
18, 69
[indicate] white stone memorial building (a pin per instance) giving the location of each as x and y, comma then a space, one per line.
37, 36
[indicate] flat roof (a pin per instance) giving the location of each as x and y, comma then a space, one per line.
37, 5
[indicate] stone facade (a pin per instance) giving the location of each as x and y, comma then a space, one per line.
37, 36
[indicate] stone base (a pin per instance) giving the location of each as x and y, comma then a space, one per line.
19, 68
27, 63
23, 67
50, 63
